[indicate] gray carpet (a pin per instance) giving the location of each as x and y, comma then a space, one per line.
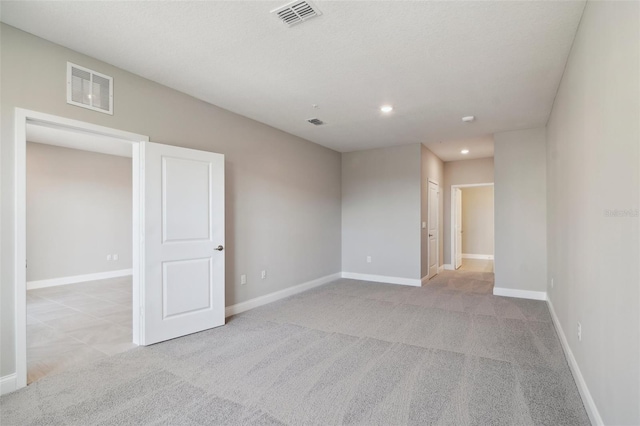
349, 352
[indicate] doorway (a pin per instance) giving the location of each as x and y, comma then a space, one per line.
79, 260
472, 227
178, 273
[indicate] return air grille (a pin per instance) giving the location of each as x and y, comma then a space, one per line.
316, 121
296, 12
89, 89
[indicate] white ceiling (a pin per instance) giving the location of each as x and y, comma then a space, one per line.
433, 61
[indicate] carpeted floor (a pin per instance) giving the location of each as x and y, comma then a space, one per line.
349, 352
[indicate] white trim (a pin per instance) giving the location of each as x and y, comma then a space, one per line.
448, 267
477, 256
453, 213
21, 118
416, 282
587, 399
32, 285
521, 294
440, 268
7, 384
273, 297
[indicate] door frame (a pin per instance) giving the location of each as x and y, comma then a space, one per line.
453, 216
435, 182
21, 119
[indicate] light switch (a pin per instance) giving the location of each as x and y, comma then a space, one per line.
115, 257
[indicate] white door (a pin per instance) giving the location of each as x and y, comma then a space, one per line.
458, 227
433, 207
182, 280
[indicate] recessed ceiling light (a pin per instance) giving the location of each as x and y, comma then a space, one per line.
468, 118
386, 108
464, 151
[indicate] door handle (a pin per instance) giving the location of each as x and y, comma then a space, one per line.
431, 235
219, 248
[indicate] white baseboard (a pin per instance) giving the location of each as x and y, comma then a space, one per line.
448, 267
275, 296
587, 399
440, 268
522, 294
477, 256
32, 285
8, 383
416, 282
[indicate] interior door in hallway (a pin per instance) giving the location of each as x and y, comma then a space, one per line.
457, 193
433, 207
183, 272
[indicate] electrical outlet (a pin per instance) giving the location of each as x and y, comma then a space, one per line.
263, 275
108, 257
579, 332
115, 257
368, 259
243, 279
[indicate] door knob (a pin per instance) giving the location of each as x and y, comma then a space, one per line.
431, 235
219, 248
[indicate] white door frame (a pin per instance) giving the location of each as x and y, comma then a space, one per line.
453, 216
435, 182
22, 117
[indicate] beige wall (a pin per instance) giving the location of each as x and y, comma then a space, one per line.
520, 210
462, 172
593, 138
282, 192
381, 211
432, 168
78, 211
477, 220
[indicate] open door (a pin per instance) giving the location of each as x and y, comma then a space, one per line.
183, 259
458, 227
434, 208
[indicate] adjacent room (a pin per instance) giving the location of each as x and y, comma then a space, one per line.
320, 213
79, 226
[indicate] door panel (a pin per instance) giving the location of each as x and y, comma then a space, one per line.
434, 207
183, 221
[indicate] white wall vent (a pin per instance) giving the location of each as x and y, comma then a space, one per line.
296, 12
89, 89
316, 121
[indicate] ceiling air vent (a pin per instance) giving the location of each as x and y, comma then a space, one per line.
89, 89
316, 121
296, 12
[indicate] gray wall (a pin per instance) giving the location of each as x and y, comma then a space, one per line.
282, 192
477, 220
520, 210
432, 168
381, 211
462, 172
78, 211
593, 162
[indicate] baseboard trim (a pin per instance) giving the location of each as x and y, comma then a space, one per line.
587, 399
448, 267
440, 268
8, 383
415, 282
521, 294
32, 285
281, 294
477, 256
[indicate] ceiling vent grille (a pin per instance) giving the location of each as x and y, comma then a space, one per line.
296, 12
316, 121
89, 89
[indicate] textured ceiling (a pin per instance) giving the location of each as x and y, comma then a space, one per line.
433, 61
